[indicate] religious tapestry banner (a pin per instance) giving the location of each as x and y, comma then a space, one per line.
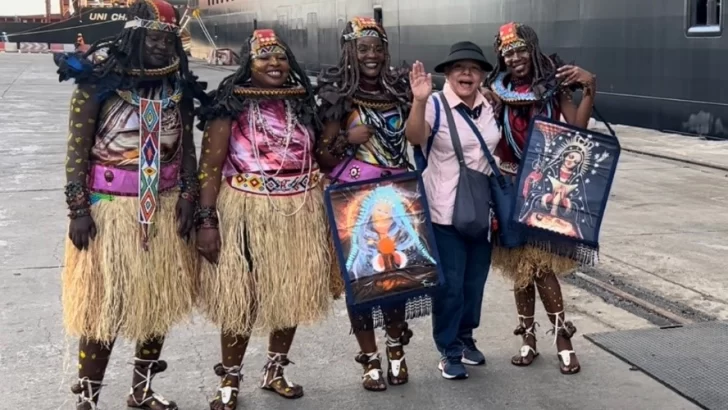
383, 239
564, 180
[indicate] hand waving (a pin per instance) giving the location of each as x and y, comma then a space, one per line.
420, 82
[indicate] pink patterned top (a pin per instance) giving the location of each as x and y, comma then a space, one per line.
264, 148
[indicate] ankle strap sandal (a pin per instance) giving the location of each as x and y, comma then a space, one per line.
565, 329
87, 391
397, 372
274, 377
372, 379
227, 392
526, 331
562, 328
147, 370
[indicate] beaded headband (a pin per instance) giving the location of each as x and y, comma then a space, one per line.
509, 38
265, 42
165, 18
365, 27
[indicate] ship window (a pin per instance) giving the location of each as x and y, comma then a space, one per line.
704, 18
378, 14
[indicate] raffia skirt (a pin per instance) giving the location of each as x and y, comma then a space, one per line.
115, 288
274, 271
524, 264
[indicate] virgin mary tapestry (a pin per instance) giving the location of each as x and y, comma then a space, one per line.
564, 181
384, 241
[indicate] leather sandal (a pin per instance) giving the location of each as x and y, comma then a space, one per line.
276, 381
566, 330
397, 371
372, 379
88, 392
227, 393
526, 349
148, 400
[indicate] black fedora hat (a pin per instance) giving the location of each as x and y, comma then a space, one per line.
464, 50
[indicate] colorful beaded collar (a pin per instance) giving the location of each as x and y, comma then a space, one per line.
510, 96
168, 101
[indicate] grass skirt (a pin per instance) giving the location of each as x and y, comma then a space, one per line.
274, 271
524, 264
116, 288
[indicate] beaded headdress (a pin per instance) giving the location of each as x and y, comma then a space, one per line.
165, 18
265, 42
365, 27
509, 38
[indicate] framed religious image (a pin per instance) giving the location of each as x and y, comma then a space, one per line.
383, 239
564, 180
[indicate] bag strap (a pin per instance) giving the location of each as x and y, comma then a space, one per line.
351, 157
484, 147
423, 153
601, 117
453, 130
435, 125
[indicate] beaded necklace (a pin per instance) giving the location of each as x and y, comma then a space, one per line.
511, 98
168, 101
256, 121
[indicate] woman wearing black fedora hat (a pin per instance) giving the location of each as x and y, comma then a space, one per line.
530, 83
363, 106
453, 126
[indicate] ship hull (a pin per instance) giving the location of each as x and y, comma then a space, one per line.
93, 23
650, 73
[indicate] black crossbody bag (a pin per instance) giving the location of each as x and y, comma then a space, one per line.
471, 216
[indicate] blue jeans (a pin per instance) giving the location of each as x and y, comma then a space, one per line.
456, 306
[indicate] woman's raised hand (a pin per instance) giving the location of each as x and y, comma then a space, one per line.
420, 82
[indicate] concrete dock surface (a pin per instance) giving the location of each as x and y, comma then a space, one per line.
665, 230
